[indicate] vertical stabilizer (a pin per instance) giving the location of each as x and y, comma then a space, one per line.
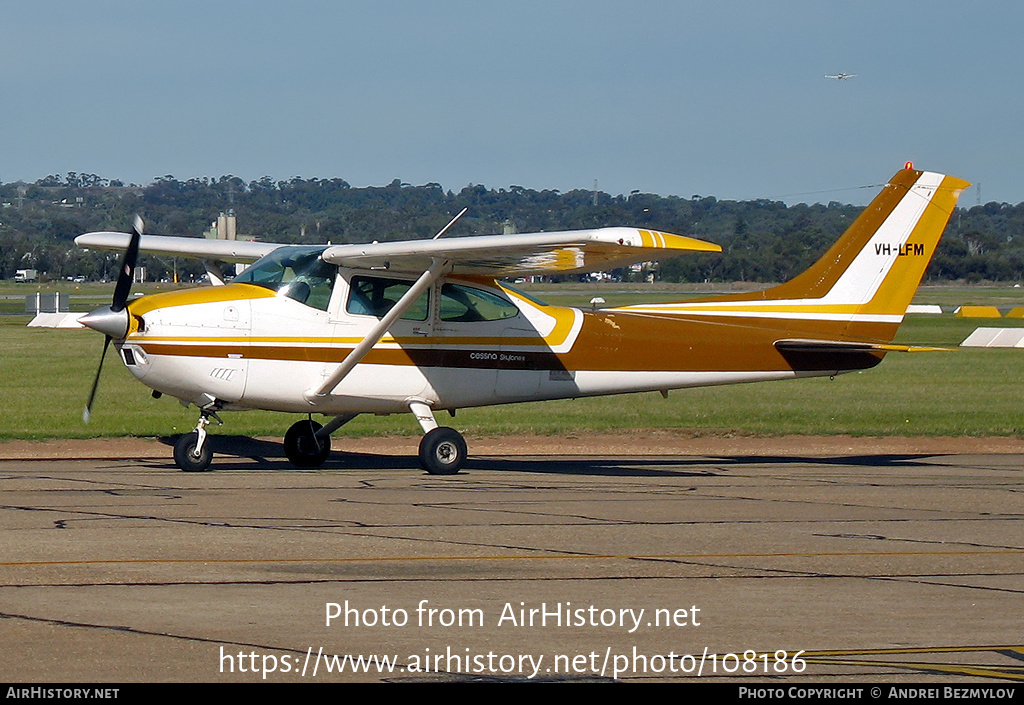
861, 287
879, 261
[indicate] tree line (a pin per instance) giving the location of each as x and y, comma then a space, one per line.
763, 240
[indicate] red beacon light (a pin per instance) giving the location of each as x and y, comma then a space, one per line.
908, 165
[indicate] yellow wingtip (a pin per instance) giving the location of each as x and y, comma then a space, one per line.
690, 244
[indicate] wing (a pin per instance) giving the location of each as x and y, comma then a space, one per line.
201, 248
567, 252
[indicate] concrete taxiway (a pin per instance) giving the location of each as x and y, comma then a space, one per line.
882, 565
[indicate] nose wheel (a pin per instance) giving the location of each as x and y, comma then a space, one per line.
192, 453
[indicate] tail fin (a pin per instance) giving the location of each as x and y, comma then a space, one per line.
879, 261
861, 287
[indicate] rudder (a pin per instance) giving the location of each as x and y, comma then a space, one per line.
860, 288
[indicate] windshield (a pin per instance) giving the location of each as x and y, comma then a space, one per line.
295, 272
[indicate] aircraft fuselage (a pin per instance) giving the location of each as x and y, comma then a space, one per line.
246, 346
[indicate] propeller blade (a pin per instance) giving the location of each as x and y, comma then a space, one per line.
105, 320
126, 275
87, 414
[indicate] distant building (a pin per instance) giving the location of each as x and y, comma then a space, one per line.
225, 228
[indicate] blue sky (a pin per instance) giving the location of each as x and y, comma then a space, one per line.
670, 97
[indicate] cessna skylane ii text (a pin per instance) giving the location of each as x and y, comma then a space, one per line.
428, 325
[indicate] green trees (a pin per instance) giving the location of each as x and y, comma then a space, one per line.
763, 240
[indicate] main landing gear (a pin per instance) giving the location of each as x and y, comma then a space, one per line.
303, 447
307, 444
442, 450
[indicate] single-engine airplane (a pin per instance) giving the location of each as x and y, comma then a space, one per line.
427, 325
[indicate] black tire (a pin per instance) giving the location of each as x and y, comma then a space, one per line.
185, 456
443, 451
303, 448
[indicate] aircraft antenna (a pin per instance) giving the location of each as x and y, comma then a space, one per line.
451, 222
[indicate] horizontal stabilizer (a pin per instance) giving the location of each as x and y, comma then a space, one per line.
848, 346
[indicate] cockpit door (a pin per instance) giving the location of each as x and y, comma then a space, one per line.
364, 297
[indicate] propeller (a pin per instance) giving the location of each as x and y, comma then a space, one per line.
112, 320
86, 413
125, 276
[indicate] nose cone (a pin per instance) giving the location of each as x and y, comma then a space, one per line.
107, 321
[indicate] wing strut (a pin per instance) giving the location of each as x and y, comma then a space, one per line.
438, 267
214, 272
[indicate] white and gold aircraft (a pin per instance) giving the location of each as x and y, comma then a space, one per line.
427, 325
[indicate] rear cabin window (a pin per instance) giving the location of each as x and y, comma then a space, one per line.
465, 304
375, 296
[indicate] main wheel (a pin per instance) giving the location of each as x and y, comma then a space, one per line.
302, 446
442, 451
187, 458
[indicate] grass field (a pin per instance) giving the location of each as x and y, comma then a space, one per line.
46, 375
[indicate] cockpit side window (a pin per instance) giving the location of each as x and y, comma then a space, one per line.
375, 296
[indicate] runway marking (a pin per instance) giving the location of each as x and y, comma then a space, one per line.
987, 670
378, 559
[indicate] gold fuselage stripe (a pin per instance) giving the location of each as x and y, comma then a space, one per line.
607, 341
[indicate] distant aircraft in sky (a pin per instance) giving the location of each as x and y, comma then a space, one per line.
841, 76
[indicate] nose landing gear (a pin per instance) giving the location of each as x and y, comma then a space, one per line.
192, 453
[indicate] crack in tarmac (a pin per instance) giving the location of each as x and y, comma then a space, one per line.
568, 522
